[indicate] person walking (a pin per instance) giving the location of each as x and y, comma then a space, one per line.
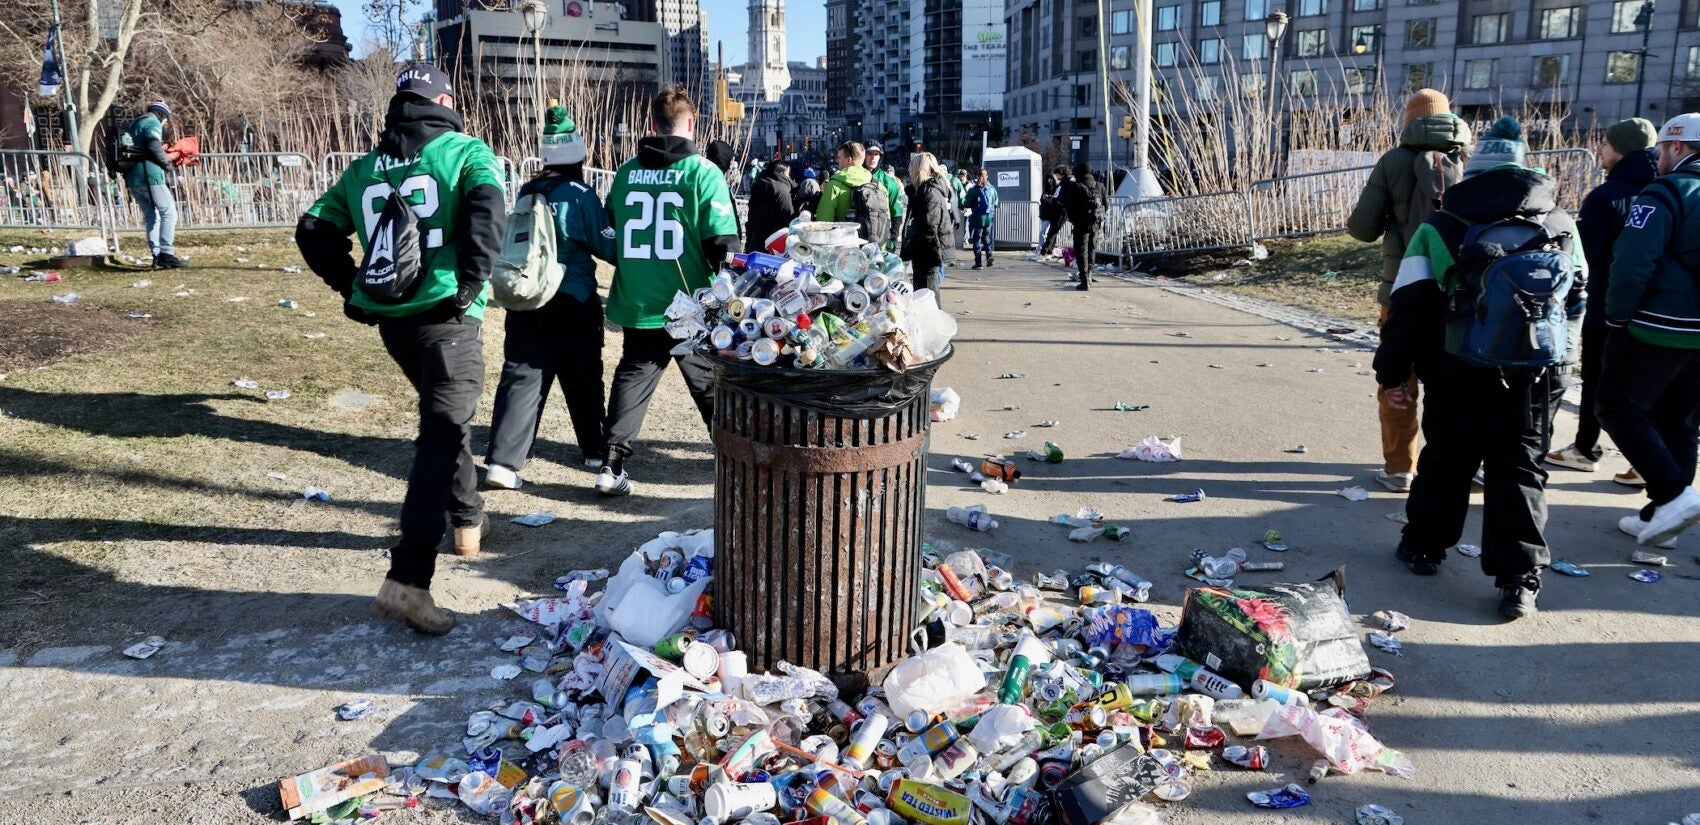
1649, 397
893, 191
1500, 216
149, 180
560, 341
982, 213
452, 183
772, 204
1404, 189
1083, 202
835, 197
932, 232
962, 186
1061, 176
674, 225
1050, 215
1630, 162
806, 197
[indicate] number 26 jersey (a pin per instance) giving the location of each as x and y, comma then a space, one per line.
663, 205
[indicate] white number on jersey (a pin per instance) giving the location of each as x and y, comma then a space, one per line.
378, 194
668, 236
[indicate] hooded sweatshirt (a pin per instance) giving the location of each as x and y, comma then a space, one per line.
1414, 336
453, 182
1653, 287
1384, 208
673, 226
835, 199
1601, 221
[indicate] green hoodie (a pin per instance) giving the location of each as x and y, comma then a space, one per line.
1383, 210
835, 196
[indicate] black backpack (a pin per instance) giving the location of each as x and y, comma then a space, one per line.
121, 151
390, 273
870, 210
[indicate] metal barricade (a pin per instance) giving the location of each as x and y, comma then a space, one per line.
240, 190
1577, 172
1015, 225
333, 164
1306, 204
52, 190
1191, 223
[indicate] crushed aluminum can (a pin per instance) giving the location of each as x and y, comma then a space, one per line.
1273, 542
1254, 758
1646, 576
534, 519
1291, 796
316, 494
1188, 498
1654, 559
350, 711
1469, 551
1387, 643
1378, 815
1569, 569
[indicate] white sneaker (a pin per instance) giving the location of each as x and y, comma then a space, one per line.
1634, 526
497, 477
1572, 458
1672, 518
610, 483
1395, 482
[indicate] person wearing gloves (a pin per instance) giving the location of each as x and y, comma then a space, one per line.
149, 180
1404, 189
560, 341
1478, 416
1650, 382
431, 326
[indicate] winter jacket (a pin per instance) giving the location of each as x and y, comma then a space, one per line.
982, 208
806, 197
1656, 262
582, 231
153, 168
957, 190
1601, 221
932, 227
1413, 338
893, 192
1383, 209
772, 205
1083, 202
835, 200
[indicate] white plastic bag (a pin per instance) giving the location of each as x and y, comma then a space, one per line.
638, 607
934, 681
1000, 726
945, 403
1154, 449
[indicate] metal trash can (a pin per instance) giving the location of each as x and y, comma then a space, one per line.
820, 492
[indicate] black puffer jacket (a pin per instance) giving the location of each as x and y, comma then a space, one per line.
933, 224
771, 205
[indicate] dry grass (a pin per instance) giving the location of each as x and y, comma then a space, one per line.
1333, 275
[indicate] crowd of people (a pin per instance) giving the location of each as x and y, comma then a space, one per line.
1496, 300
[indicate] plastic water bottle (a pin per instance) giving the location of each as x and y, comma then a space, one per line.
973, 518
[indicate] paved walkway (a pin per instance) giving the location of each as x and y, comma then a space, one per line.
1587, 713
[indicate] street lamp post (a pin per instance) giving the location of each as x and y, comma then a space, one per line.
1644, 21
1275, 25
536, 20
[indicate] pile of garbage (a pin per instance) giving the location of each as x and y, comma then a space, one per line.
1049, 700
820, 299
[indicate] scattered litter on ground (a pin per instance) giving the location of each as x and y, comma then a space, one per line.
1378, 815
1299, 450
67, 298
145, 648
1154, 449
246, 383
1649, 558
1469, 551
1391, 621
316, 494
1387, 643
1646, 576
359, 708
1188, 498
534, 519
1123, 406
1052, 454
1273, 541
1217, 367
138, 315
236, 299
1008, 375
277, 476
312, 336
287, 304
1399, 518
1015, 434
1353, 493
277, 395
1046, 424
44, 277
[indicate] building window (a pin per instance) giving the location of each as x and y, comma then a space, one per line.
1086, 61
1488, 28
1623, 14
1558, 24
1417, 75
1694, 62
1120, 56
1312, 43
1551, 71
1082, 94
1168, 18
1206, 87
1369, 36
1251, 86
1313, 8
1302, 83
1421, 2
1622, 67
1481, 74
1168, 54
1366, 5
1359, 81
1210, 51
1121, 22
1419, 34
1088, 27
1210, 13
1254, 47
1256, 9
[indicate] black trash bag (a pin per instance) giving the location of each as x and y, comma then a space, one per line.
1294, 635
860, 394
1106, 785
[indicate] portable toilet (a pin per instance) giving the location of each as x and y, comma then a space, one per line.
1017, 173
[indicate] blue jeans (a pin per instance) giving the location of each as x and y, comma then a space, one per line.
159, 215
980, 236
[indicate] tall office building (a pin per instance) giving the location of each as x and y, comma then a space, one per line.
840, 56
687, 45
957, 69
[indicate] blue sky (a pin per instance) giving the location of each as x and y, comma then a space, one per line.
727, 23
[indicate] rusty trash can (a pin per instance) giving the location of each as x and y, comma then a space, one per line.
819, 499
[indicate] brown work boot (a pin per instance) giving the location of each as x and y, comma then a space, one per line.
467, 539
414, 606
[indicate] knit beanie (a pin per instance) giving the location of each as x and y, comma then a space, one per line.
563, 143
158, 107
1423, 103
1501, 145
1632, 135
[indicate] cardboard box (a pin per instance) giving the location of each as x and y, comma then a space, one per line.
317, 790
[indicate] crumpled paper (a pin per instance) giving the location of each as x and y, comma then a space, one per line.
1344, 740
555, 610
1154, 449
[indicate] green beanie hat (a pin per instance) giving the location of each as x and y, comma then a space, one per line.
1632, 135
563, 144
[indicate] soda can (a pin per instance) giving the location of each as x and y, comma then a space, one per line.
722, 290
1052, 772
749, 329
765, 351
1091, 717
745, 351
1254, 758
723, 337
862, 741
738, 308
623, 786
952, 761
701, 661
776, 328
1263, 689
761, 309
885, 755
877, 283
917, 721
675, 585
855, 299
672, 648
1050, 690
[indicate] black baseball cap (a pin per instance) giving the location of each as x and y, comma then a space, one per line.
424, 80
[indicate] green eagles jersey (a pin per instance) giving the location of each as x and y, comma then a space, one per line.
432, 182
145, 172
661, 218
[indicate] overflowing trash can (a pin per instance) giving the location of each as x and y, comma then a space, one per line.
820, 495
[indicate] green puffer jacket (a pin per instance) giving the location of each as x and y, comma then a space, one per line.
1384, 208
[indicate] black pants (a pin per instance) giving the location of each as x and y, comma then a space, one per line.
646, 354
445, 364
1587, 418
1050, 239
1649, 396
1472, 418
1085, 250
560, 341
927, 273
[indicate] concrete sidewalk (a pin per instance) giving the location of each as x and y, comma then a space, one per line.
1586, 713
